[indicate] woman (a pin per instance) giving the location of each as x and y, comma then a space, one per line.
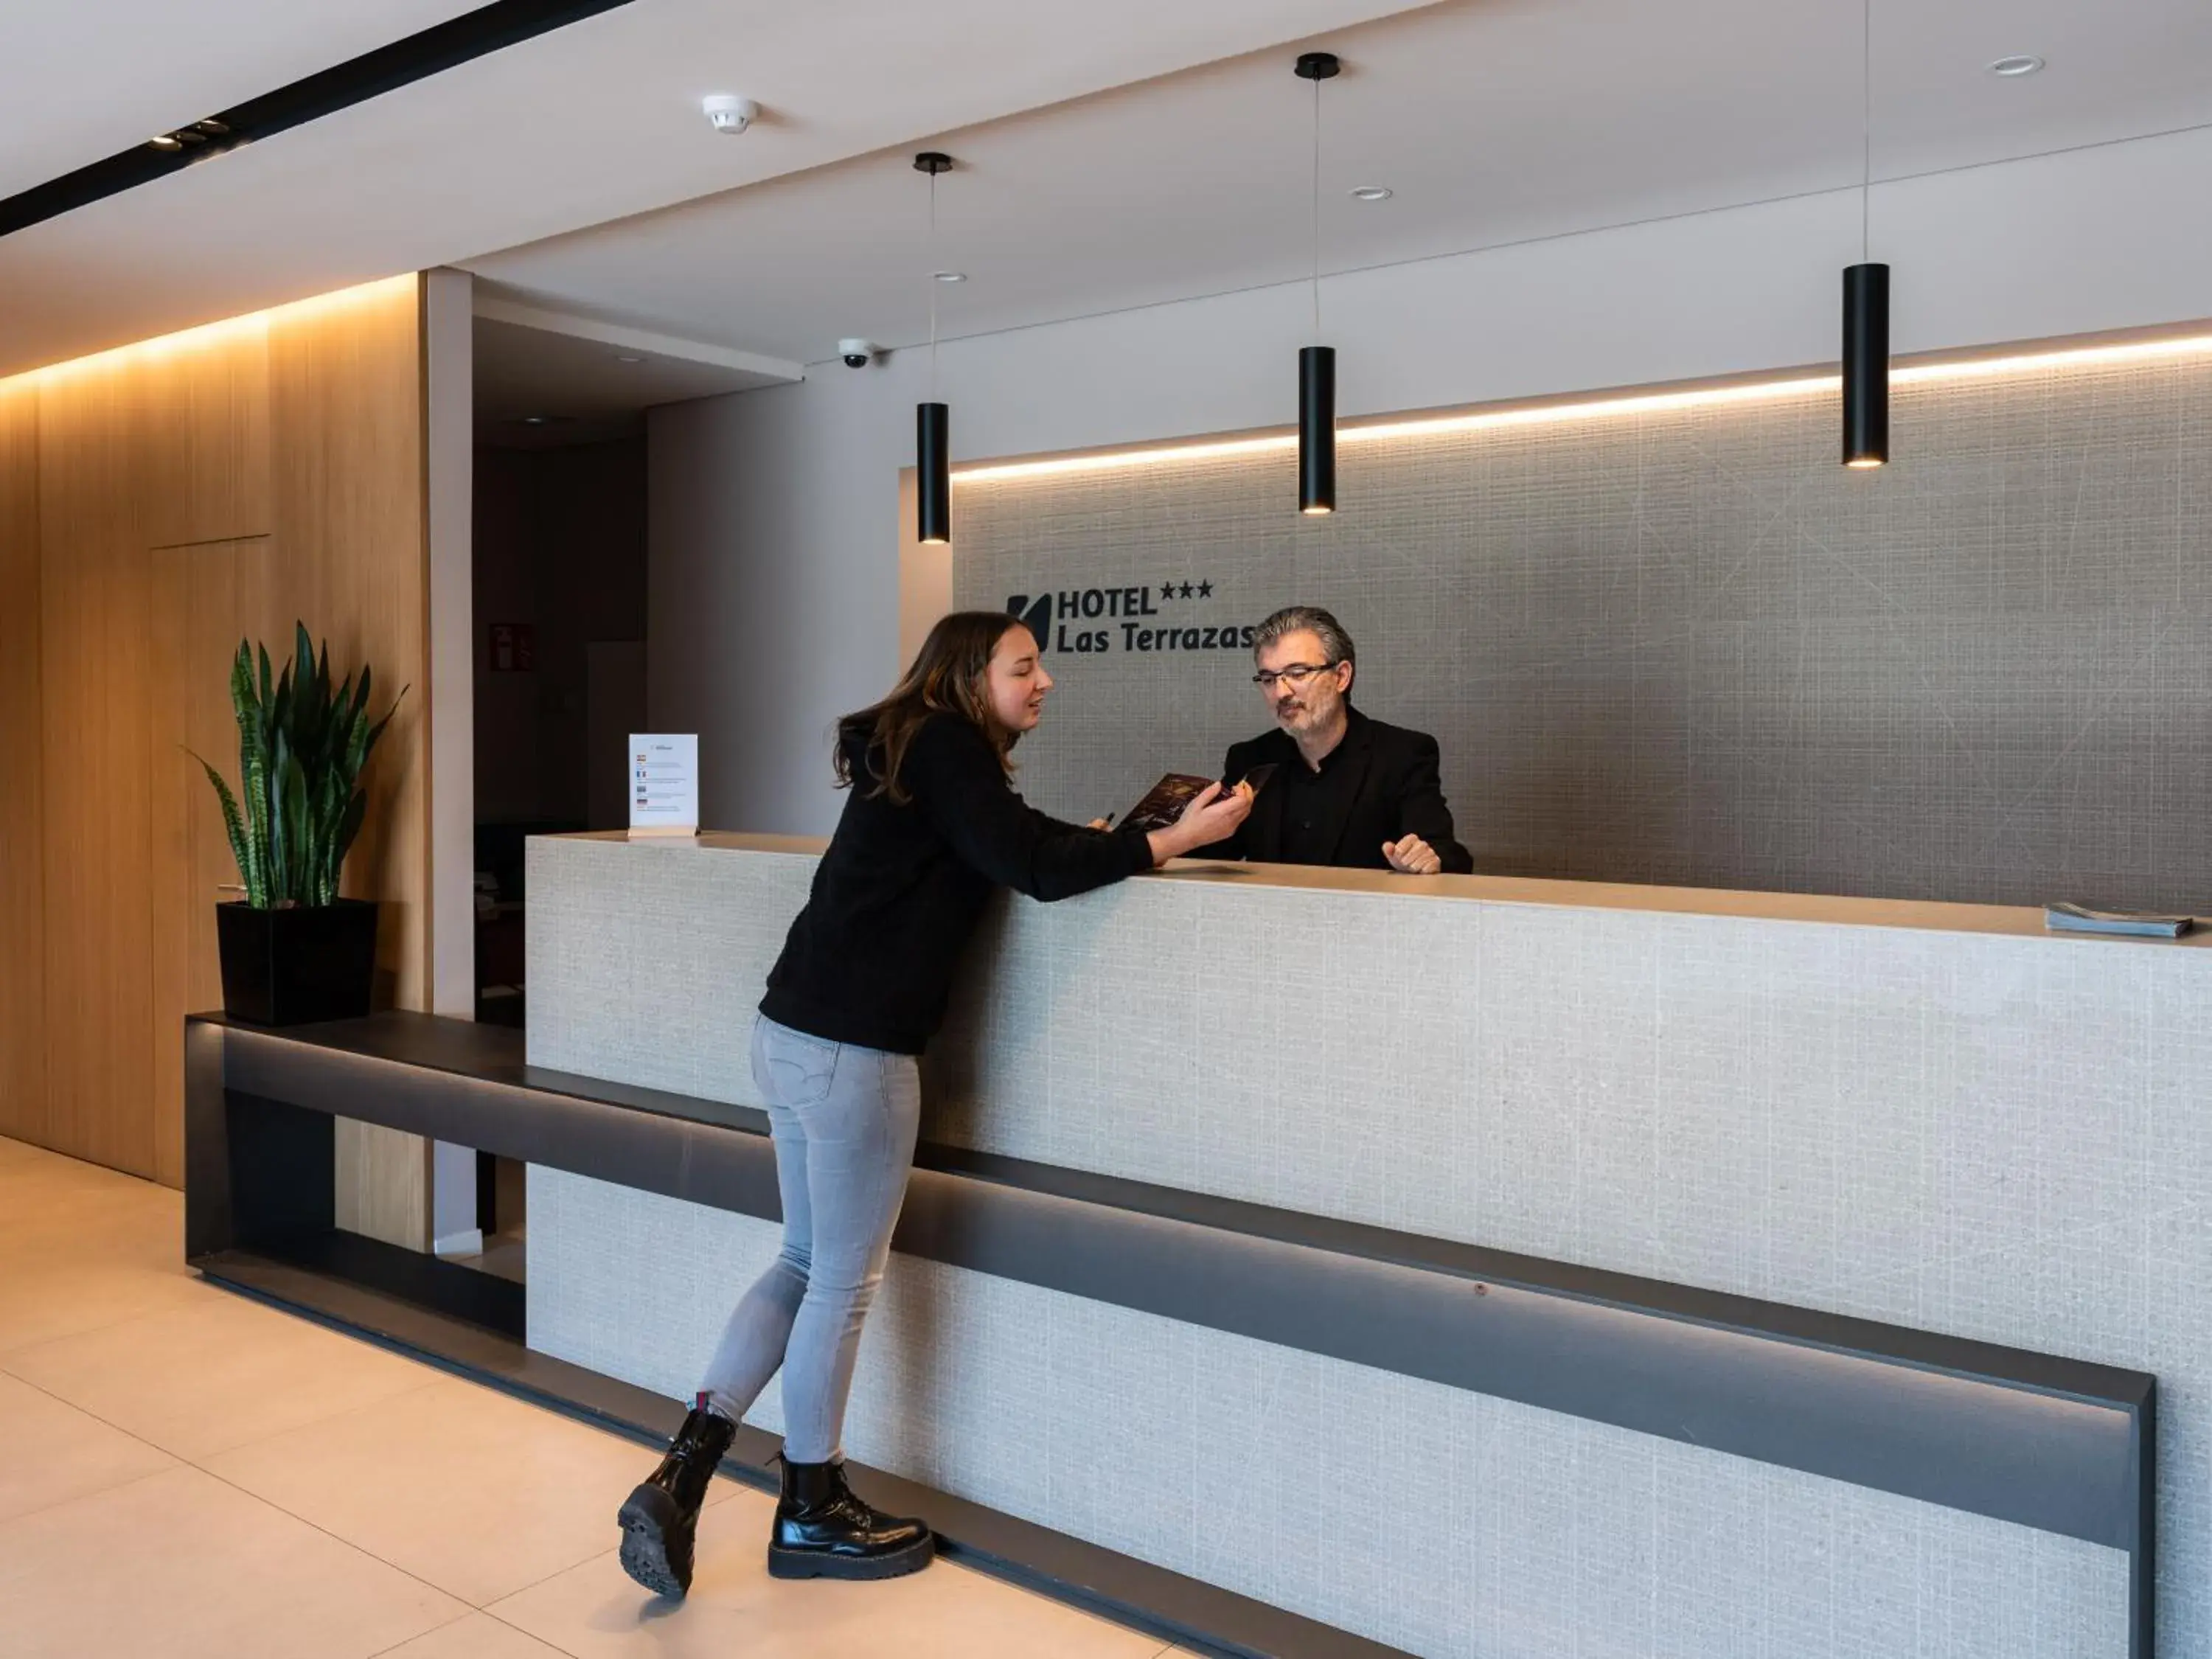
931, 827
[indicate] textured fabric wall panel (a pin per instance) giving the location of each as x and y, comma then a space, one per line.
1999, 1138
1687, 648
1546, 1535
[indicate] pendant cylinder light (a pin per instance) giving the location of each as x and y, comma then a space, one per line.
1316, 363
1317, 430
1866, 299
932, 469
1866, 365
932, 448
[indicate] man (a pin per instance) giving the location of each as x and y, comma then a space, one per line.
1347, 790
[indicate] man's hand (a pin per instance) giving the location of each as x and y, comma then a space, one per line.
1413, 856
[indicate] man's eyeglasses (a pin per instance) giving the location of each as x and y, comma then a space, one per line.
1295, 675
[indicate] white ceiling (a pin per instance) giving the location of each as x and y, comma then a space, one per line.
542, 387
83, 79
576, 127
1493, 120
1113, 155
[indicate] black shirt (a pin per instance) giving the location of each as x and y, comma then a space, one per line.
1313, 804
1379, 784
870, 959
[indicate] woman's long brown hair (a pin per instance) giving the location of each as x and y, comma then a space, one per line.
947, 677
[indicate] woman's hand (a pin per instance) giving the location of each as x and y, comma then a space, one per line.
1211, 816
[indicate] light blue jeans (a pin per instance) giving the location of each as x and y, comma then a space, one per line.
844, 1119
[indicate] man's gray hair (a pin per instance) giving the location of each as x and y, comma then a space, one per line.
1306, 619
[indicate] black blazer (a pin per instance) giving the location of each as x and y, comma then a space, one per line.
1395, 792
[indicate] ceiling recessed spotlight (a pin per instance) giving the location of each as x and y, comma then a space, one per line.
950, 276
544, 420
166, 141
2013, 68
621, 357
1371, 193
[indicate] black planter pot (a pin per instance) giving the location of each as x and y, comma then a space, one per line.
288, 967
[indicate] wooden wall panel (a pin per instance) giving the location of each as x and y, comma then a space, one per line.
22, 859
208, 411
157, 503
346, 472
348, 487
383, 1183
205, 596
94, 475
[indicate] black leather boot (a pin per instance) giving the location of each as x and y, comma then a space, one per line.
823, 1531
661, 1518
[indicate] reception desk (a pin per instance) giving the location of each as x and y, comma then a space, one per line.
1478, 1267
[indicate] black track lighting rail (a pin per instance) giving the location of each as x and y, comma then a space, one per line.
428, 51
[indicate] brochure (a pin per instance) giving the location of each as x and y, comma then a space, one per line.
2062, 918
1163, 803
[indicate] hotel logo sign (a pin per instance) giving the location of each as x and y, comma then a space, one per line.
1146, 619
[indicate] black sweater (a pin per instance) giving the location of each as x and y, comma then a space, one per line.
870, 959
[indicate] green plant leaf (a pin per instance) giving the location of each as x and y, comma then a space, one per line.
252, 773
377, 730
348, 826
280, 847
233, 825
297, 839
280, 711
330, 812
242, 704
303, 744
309, 697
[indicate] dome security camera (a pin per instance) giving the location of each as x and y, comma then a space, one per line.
728, 113
857, 353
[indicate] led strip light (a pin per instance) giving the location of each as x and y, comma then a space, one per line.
1589, 408
205, 336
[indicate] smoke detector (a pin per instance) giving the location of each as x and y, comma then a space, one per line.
727, 112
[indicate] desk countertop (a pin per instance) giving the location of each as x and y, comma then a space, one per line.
2020, 921
1933, 1115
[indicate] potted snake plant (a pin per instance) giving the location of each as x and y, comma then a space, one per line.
293, 951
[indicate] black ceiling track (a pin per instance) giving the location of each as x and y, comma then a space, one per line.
439, 47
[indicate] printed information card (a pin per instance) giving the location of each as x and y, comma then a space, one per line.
664, 784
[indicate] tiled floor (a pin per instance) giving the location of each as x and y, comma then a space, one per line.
185, 1473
